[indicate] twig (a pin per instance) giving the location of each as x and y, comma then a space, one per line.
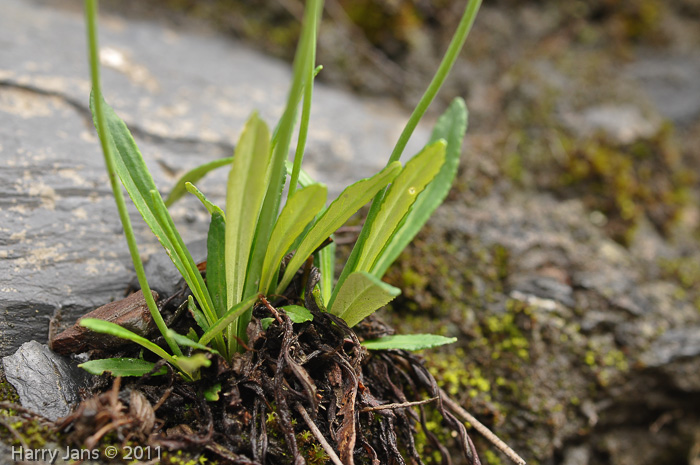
483, 430
318, 435
25, 412
272, 309
91, 441
399, 405
15, 434
163, 398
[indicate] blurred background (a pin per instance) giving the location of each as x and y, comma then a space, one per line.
593, 99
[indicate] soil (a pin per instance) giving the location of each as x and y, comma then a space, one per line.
300, 393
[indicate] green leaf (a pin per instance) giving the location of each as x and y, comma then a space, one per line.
326, 258
266, 322
361, 295
342, 208
282, 139
193, 363
297, 313
137, 181
211, 208
296, 214
193, 176
408, 342
233, 313
216, 268
197, 314
417, 173
121, 367
192, 334
316, 293
246, 191
212, 392
304, 178
187, 342
451, 126
107, 327
192, 275
247, 182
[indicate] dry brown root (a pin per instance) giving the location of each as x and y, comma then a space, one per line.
299, 387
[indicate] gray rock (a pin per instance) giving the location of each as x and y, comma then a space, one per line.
672, 81
677, 354
46, 382
185, 96
544, 287
592, 311
622, 123
5, 453
163, 276
579, 455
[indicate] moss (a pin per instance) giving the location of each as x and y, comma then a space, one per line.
628, 181
34, 434
624, 181
606, 362
455, 376
7, 391
183, 458
309, 447
491, 458
425, 449
685, 271
503, 334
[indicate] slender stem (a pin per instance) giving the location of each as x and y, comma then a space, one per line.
481, 428
456, 44
305, 110
397, 405
91, 19
446, 64
270, 208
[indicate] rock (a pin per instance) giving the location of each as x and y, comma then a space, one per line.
672, 82
162, 274
545, 287
622, 123
586, 346
677, 355
579, 455
185, 96
46, 382
673, 345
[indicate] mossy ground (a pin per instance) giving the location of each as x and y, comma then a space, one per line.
518, 361
37, 434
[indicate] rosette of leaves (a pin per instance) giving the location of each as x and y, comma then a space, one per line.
250, 236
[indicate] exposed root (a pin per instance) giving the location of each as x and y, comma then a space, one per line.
301, 390
483, 430
318, 435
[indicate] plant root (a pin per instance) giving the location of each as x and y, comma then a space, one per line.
302, 393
